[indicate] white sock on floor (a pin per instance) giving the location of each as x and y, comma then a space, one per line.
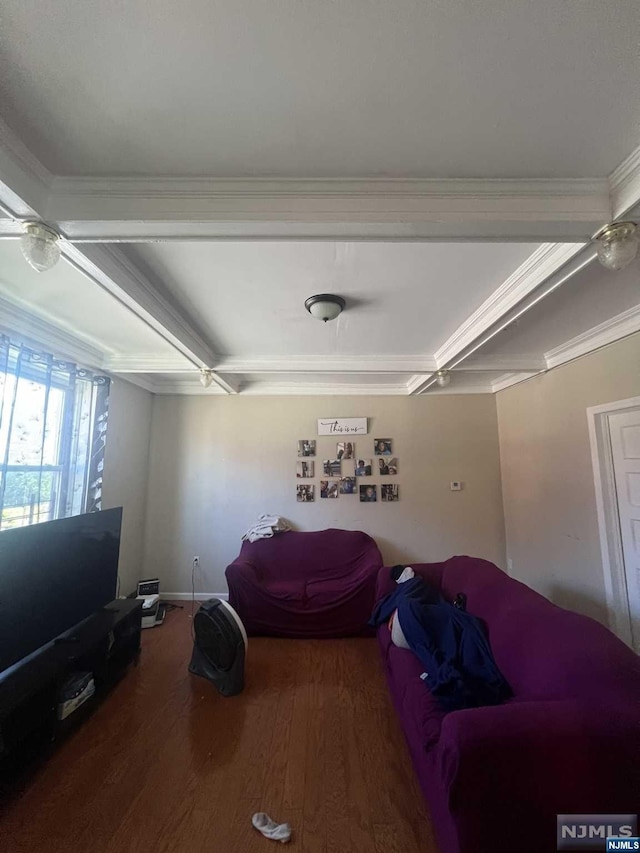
270, 829
406, 575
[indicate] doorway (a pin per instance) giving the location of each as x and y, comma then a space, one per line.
614, 431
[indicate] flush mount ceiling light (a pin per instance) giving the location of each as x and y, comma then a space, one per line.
206, 376
40, 246
443, 378
325, 306
617, 244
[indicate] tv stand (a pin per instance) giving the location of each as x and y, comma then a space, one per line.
104, 644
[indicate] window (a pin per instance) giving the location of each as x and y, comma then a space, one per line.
53, 418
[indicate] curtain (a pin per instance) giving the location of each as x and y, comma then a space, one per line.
53, 422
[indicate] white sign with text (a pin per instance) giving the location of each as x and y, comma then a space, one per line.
342, 426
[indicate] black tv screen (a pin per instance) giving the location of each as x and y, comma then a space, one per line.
52, 576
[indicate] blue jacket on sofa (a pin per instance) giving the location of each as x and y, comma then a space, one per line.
450, 643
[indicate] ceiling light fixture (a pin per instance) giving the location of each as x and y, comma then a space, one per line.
206, 376
443, 378
617, 244
325, 306
40, 246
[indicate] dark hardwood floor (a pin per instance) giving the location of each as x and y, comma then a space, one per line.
167, 765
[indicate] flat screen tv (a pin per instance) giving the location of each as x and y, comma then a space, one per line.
52, 576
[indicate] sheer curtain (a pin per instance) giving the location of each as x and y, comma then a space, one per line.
53, 422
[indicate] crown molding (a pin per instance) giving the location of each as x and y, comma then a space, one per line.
510, 379
624, 185
509, 363
23, 326
113, 209
25, 183
139, 381
612, 330
326, 364
181, 387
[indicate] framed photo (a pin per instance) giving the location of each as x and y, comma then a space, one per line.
388, 466
307, 447
331, 467
348, 486
345, 450
368, 494
305, 494
363, 468
389, 492
328, 488
305, 469
382, 446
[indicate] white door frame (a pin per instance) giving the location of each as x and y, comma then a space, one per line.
615, 581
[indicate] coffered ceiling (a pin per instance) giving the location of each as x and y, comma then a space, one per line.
442, 166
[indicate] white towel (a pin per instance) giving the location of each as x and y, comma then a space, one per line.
265, 527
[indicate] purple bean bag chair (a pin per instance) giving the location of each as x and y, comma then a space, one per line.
568, 742
316, 584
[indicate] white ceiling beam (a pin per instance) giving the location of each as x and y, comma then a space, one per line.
141, 209
544, 271
326, 364
545, 261
378, 365
324, 388
110, 269
148, 363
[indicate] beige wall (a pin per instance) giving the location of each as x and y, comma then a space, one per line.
217, 463
126, 466
547, 476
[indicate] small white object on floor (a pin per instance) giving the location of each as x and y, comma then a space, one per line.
406, 575
270, 829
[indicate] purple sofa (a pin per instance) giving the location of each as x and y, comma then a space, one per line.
495, 778
316, 584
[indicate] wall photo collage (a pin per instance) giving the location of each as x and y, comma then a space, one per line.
342, 473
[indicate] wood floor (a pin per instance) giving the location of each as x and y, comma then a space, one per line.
167, 765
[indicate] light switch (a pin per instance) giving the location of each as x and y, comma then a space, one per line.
455, 485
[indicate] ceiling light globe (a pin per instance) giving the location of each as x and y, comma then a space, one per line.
618, 245
205, 377
443, 378
40, 246
325, 306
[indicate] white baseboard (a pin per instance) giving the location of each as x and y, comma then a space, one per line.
187, 596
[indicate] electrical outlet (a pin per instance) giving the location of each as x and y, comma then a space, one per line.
455, 485
196, 562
